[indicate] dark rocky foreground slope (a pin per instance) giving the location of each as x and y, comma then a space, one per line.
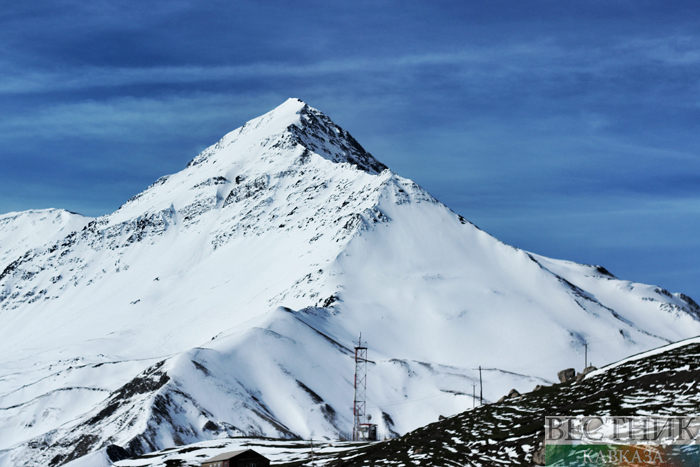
661, 382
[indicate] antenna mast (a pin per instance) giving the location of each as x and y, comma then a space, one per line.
360, 404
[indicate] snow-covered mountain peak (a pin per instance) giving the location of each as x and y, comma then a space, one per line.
292, 140
226, 298
293, 125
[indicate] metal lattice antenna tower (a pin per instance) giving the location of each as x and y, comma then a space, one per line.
359, 406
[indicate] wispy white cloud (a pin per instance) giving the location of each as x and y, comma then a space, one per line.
538, 59
682, 50
132, 119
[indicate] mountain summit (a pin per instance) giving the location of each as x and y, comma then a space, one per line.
296, 125
226, 300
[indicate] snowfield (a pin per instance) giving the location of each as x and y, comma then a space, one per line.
226, 299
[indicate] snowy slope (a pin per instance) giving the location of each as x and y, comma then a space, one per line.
224, 300
23, 231
660, 381
280, 452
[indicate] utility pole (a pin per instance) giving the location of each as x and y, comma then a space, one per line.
585, 365
473, 395
313, 460
481, 388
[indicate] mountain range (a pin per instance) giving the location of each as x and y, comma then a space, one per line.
226, 300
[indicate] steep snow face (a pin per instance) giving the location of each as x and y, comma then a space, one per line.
226, 223
459, 293
279, 144
225, 300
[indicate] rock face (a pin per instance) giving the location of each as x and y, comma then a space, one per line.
226, 299
538, 457
585, 371
513, 393
566, 375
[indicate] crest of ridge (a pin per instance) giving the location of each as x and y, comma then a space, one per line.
294, 125
287, 139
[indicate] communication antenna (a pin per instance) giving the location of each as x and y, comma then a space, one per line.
359, 406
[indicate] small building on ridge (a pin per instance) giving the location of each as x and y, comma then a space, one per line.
243, 458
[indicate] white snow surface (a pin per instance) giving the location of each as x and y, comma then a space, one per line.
226, 299
23, 231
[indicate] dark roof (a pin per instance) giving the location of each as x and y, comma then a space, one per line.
228, 455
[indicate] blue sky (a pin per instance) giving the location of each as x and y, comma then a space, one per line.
566, 128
